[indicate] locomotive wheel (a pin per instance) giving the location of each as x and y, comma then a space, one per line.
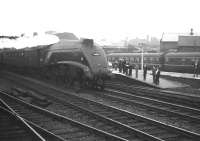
77, 86
100, 83
102, 87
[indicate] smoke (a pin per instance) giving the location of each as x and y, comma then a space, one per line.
26, 40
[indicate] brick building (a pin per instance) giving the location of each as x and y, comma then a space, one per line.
180, 42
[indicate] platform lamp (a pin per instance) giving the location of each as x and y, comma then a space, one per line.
142, 55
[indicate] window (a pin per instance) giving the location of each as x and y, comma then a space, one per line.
132, 59
166, 59
183, 59
193, 59
154, 59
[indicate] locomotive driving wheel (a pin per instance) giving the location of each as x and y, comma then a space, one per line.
100, 83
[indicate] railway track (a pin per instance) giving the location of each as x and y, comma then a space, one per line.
142, 124
150, 127
97, 121
15, 128
173, 114
61, 126
184, 99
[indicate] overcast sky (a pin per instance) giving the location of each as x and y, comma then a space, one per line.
111, 19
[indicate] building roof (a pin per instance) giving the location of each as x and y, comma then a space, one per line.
183, 39
169, 37
174, 37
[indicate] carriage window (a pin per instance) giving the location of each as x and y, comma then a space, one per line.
175, 60
131, 59
149, 58
183, 59
137, 59
155, 59
188, 60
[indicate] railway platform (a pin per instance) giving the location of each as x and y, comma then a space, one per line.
164, 83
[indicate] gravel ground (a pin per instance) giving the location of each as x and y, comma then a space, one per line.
141, 111
60, 109
194, 87
6, 84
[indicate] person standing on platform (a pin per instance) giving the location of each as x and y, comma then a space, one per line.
127, 68
123, 66
154, 74
115, 65
130, 69
196, 68
144, 71
120, 65
157, 75
136, 70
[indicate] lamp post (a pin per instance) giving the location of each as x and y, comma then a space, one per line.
142, 58
142, 55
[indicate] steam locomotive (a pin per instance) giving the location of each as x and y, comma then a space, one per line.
70, 60
172, 61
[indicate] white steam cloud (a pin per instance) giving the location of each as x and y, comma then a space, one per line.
28, 41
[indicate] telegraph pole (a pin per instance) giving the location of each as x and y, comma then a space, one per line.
142, 55
142, 58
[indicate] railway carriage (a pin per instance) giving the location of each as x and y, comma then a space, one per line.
181, 61
174, 61
150, 59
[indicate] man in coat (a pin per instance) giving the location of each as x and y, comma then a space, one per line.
144, 71
157, 75
196, 68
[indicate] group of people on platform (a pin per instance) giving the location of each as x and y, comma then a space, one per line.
126, 68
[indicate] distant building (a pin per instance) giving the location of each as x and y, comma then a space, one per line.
168, 42
189, 43
119, 49
180, 42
